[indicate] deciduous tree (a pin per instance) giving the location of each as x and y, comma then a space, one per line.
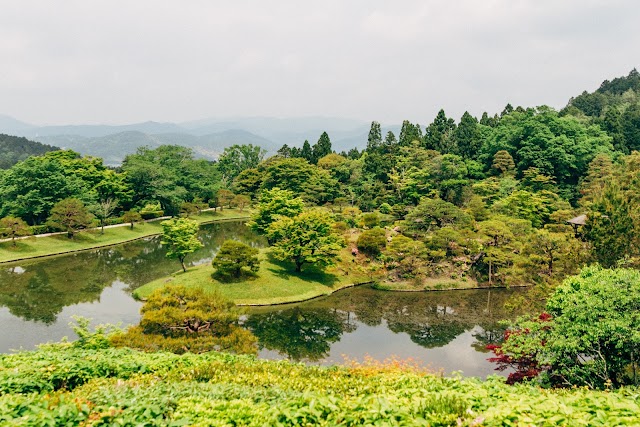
180, 235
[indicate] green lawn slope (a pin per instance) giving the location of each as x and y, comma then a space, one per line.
63, 385
275, 283
58, 244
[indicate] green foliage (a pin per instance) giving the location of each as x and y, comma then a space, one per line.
372, 241
592, 338
180, 237
271, 205
125, 387
370, 219
180, 319
405, 255
307, 238
14, 149
70, 215
435, 213
233, 257
238, 158
12, 227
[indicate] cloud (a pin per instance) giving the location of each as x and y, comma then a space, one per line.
118, 61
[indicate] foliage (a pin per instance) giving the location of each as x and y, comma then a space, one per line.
180, 319
70, 215
592, 337
372, 241
238, 158
307, 238
271, 205
12, 227
233, 257
180, 237
70, 386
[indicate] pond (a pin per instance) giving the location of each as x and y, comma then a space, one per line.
445, 330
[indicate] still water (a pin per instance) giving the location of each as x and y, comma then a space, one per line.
446, 330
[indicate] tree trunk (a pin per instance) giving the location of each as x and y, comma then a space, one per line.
298, 266
184, 267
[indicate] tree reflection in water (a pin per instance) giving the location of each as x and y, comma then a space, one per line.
39, 289
307, 331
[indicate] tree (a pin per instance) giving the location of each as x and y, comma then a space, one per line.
439, 135
233, 257
503, 162
307, 238
374, 140
180, 319
405, 255
591, 338
70, 215
132, 217
238, 158
180, 235
225, 197
467, 136
306, 152
103, 210
272, 205
320, 148
241, 201
372, 241
13, 227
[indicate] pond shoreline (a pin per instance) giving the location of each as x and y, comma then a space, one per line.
106, 245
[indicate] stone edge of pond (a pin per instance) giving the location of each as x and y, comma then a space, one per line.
472, 288
56, 254
273, 304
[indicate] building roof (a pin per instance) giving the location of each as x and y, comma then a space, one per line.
579, 220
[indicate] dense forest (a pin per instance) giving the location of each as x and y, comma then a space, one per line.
485, 200
14, 149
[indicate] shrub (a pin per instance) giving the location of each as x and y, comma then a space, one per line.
180, 320
370, 219
235, 258
372, 241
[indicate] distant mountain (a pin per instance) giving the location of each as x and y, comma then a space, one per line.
290, 131
113, 148
207, 137
11, 126
104, 130
14, 149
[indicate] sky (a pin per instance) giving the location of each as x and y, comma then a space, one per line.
118, 62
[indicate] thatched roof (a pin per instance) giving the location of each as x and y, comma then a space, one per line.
579, 220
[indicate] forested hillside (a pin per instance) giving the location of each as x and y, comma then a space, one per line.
14, 149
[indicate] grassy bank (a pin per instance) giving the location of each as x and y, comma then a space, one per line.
62, 385
34, 247
275, 282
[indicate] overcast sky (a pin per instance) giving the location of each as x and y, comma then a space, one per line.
135, 60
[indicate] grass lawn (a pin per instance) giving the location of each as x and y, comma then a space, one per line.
275, 283
34, 247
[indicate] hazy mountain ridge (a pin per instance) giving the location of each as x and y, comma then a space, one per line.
208, 137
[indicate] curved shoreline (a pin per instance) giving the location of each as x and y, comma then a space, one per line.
107, 245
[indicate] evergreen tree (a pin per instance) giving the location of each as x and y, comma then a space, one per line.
375, 136
439, 134
467, 136
320, 148
409, 133
306, 152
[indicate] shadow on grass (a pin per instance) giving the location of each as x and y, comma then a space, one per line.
285, 270
245, 276
22, 246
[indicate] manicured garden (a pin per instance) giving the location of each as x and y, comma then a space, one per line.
276, 282
34, 247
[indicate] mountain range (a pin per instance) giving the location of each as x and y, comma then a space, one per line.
208, 137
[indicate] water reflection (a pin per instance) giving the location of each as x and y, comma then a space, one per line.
38, 290
353, 321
